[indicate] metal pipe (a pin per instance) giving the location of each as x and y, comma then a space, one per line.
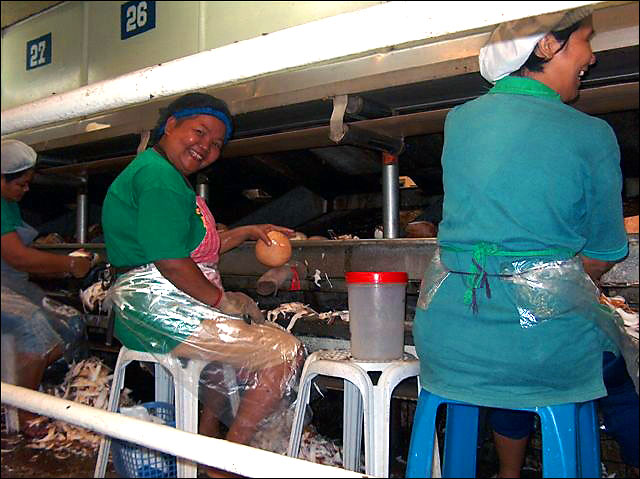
82, 214
390, 195
237, 458
202, 187
360, 33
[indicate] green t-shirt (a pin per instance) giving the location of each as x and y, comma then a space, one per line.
524, 171
149, 214
11, 218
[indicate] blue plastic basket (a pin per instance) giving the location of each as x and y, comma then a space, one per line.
134, 460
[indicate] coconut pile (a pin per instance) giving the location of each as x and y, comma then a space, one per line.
273, 435
628, 315
314, 447
294, 311
93, 296
87, 382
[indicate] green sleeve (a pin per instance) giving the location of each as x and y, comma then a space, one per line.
11, 217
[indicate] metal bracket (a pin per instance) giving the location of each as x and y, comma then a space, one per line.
337, 128
344, 134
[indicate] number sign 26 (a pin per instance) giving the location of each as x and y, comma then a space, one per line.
39, 52
137, 17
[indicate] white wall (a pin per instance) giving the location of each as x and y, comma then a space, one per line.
87, 46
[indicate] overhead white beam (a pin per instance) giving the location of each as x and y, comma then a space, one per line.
350, 35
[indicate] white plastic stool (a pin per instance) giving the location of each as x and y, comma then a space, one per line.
186, 380
361, 397
9, 376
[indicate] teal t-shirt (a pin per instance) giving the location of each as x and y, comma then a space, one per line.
11, 218
523, 171
150, 213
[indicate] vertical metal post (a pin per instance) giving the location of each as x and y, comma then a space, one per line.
82, 212
202, 187
390, 195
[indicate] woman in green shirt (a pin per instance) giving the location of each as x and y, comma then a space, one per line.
170, 298
532, 215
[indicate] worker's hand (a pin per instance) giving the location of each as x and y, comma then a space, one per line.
239, 304
80, 266
260, 232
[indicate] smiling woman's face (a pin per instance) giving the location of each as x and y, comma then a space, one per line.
14, 190
193, 143
573, 61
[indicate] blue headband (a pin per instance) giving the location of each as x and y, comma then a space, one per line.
203, 111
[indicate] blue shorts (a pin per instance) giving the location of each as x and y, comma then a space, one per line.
619, 411
26, 325
37, 328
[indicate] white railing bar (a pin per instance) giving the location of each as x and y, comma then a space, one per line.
236, 458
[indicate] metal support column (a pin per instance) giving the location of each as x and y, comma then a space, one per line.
390, 195
82, 212
202, 186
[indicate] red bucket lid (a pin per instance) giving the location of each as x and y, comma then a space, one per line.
376, 277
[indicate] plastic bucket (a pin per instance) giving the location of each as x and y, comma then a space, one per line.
376, 314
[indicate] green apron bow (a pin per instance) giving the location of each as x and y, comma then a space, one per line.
476, 278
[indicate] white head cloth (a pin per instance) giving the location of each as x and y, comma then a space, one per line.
17, 156
512, 42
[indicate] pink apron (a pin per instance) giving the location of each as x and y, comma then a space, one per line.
206, 255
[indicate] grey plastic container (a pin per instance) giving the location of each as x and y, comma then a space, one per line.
376, 314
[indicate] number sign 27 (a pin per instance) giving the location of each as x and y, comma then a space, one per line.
137, 17
39, 52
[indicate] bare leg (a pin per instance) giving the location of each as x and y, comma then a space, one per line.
260, 401
31, 368
257, 403
511, 454
212, 402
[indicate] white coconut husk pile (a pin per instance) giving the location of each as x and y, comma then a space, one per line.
295, 311
314, 447
87, 382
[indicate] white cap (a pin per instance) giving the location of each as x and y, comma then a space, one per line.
511, 43
17, 156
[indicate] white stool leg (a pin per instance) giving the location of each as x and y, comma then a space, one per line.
163, 385
392, 375
304, 391
117, 383
187, 381
9, 376
361, 383
351, 427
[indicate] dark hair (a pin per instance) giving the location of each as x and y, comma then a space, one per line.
536, 64
185, 102
9, 177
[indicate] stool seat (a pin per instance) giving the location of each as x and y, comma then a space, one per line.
570, 438
362, 399
185, 376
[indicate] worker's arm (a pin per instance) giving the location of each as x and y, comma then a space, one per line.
31, 260
595, 268
185, 275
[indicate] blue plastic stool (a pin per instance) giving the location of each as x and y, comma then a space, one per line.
570, 438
